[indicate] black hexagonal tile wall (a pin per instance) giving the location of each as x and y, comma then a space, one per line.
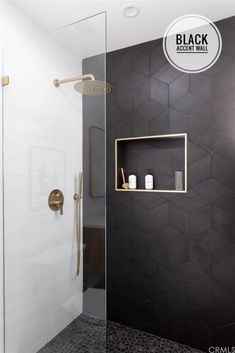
167, 73
171, 264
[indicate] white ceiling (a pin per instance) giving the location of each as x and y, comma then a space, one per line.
153, 18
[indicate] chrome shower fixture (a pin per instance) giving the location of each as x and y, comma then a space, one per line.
87, 85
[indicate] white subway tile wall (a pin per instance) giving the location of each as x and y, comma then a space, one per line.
42, 152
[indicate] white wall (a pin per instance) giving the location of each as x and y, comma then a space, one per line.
42, 151
153, 19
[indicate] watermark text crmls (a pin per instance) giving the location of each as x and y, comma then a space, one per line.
218, 349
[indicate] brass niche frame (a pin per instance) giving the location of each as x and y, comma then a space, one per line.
168, 136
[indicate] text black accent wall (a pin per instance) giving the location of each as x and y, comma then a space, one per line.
171, 257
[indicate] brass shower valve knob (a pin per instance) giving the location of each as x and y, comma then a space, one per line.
56, 200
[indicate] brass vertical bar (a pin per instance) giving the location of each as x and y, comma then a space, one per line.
116, 171
77, 197
186, 162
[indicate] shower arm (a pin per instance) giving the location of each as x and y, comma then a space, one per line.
57, 83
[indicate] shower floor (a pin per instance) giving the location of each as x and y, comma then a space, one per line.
87, 335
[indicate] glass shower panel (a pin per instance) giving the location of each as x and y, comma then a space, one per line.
1, 218
94, 193
44, 155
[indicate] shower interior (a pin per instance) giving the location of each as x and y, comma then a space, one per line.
52, 302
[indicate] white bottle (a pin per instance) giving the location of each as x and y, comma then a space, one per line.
179, 180
148, 181
132, 184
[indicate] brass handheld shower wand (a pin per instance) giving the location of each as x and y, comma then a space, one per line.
77, 198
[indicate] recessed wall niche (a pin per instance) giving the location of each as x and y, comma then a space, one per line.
162, 154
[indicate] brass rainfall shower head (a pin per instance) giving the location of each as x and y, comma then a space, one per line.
87, 85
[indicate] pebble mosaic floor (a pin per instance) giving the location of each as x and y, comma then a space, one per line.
88, 335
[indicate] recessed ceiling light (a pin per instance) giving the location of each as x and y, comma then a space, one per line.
130, 10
